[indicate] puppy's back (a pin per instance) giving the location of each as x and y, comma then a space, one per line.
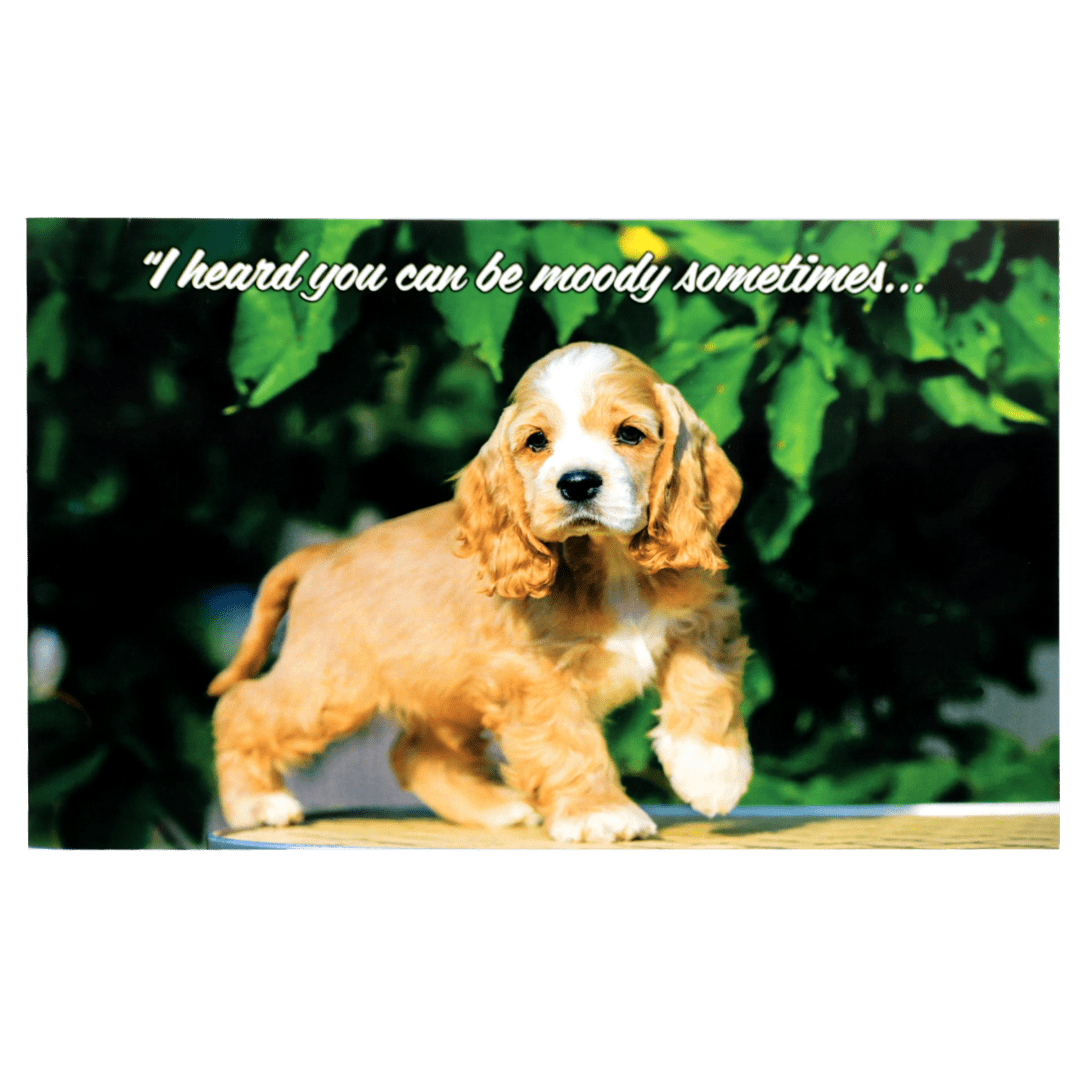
396, 596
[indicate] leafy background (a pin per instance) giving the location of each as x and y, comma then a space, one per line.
896, 547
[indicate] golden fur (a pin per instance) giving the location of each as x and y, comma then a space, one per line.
512, 613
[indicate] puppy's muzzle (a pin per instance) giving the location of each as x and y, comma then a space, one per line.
579, 486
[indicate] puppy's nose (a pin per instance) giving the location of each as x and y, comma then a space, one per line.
579, 486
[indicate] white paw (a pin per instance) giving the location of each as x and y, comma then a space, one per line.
603, 826
275, 808
711, 778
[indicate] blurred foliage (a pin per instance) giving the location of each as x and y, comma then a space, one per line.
897, 545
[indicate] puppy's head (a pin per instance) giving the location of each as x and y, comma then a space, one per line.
594, 443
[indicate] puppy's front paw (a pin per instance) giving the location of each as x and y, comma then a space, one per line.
273, 808
625, 822
710, 777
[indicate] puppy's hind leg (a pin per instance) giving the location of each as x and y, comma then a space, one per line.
260, 730
448, 770
248, 759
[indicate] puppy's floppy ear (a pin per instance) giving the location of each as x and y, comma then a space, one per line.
494, 523
694, 491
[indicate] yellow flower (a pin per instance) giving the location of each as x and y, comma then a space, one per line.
635, 240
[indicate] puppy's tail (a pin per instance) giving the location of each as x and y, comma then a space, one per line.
271, 603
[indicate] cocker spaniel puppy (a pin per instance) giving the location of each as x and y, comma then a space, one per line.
577, 564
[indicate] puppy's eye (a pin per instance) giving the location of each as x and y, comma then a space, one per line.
629, 435
536, 442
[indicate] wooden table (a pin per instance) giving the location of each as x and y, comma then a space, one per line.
945, 825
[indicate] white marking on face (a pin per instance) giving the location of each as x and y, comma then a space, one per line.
569, 382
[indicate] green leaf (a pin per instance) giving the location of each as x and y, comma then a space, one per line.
926, 327
558, 243
682, 356
1024, 359
972, 336
665, 306
40, 231
820, 341
754, 243
757, 684
958, 403
831, 741
989, 268
724, 243
328, 241
930, 249
46, 338
54, 786
839, 436
64, 751
861, 786
627, 729
678, 359
763, 305
104, 494
722, 412
852, 242
858, 370
53, 437
263, 336
795, 416
268, 346
1011, 411
228, 239
775, 515
480, 320
697, 316
923, 781
1005, 771
484, 238
712, 389
278, 337
766, 790
1033, 303
732, 339
461, 409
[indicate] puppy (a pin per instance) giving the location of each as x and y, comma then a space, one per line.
577, 564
